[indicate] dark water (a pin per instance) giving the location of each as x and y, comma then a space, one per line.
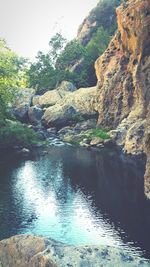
77, 196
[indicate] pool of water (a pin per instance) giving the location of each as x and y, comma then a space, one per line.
77, 196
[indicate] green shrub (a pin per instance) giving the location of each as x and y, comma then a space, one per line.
14, 133
102, 133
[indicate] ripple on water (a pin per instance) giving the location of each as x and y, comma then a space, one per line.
76, 196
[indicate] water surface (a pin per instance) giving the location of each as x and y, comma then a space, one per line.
77, 196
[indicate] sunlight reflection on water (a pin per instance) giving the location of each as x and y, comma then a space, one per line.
68, 195
68, 221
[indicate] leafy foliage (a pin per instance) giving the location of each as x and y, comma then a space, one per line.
12, 76
41, 73
105, 15
94, 49
56, 44
72, 52
9, 78
102, 133
74, 61
15, 133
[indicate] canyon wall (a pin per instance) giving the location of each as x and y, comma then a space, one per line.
123, 89
103, 15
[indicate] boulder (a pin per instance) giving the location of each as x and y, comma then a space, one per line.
73, 138
35, 100
48, 99
35, 114
96, 141
71, 109
65, 130
23, 251
22, 102
81, 100
58, 116
66, 87
85, 142
25, 150
34, 251
52, 97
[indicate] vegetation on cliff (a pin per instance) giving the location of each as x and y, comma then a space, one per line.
74, 60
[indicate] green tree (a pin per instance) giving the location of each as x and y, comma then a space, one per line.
70, 55
94, 49
11, 69
12, 76
56, 44
41, 73
68, 61
97, 44
8, 73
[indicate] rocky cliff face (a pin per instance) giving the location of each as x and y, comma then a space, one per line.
123, 72
104, 14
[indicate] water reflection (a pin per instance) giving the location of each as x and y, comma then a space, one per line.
55, 208
76, 196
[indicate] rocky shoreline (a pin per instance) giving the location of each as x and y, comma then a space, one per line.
27, 250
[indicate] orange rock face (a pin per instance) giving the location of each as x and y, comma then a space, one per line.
123, 73
24, 251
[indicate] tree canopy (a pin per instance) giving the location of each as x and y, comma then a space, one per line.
74, 60
12, 75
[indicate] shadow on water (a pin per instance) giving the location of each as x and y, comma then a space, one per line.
117, 190
77, 196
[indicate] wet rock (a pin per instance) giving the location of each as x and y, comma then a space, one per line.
96, 141
65, 130
73, 138
52, 131
25, 151
84, 144
23, 251
30, 251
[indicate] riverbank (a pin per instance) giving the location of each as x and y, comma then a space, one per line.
26, 250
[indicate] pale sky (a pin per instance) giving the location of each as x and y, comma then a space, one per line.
27, 25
